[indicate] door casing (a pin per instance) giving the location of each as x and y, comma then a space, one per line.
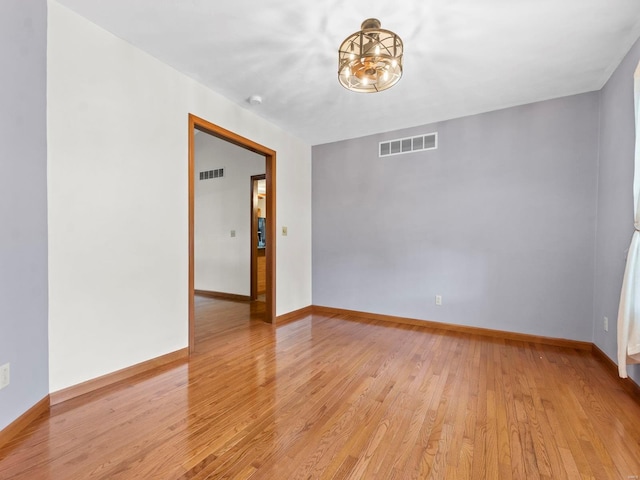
197, 123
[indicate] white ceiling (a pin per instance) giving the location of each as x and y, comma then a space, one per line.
461, 56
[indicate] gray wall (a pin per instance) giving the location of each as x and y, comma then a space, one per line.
23, 205
615, 200
499, 220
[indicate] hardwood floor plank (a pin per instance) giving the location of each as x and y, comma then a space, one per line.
337, 397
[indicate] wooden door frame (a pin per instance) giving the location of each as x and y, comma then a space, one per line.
254, 237
197, 123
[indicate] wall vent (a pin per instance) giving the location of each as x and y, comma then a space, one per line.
428, 141
208, 174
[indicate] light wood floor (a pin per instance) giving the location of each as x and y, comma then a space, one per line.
330, 397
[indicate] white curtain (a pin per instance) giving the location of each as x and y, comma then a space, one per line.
629, 311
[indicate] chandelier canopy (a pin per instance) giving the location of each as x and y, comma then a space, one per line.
370, 60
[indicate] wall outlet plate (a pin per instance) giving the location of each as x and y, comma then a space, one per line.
438, 299
5, 377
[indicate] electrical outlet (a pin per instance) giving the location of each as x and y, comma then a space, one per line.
606, 324
4, 375
438, 299
233, 233
284, 231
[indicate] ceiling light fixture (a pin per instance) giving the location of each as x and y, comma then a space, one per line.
370, 60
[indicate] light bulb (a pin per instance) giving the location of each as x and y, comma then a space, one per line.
377, 50
385, 76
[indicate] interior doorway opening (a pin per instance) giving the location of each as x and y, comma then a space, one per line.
197, 124
259, 238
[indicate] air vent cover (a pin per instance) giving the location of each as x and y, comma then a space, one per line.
208, 174
428, 141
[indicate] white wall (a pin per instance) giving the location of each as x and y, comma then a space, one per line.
117, 193
223, 262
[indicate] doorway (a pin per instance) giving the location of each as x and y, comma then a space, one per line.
259, 237
199, 124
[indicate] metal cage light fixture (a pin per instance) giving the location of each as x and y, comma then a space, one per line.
370, 60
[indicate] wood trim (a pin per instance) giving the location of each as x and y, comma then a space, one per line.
487, 332
627, 383
9, 432
270, 250
223, 295
295, 315
117, 376
192, 193
205, 126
